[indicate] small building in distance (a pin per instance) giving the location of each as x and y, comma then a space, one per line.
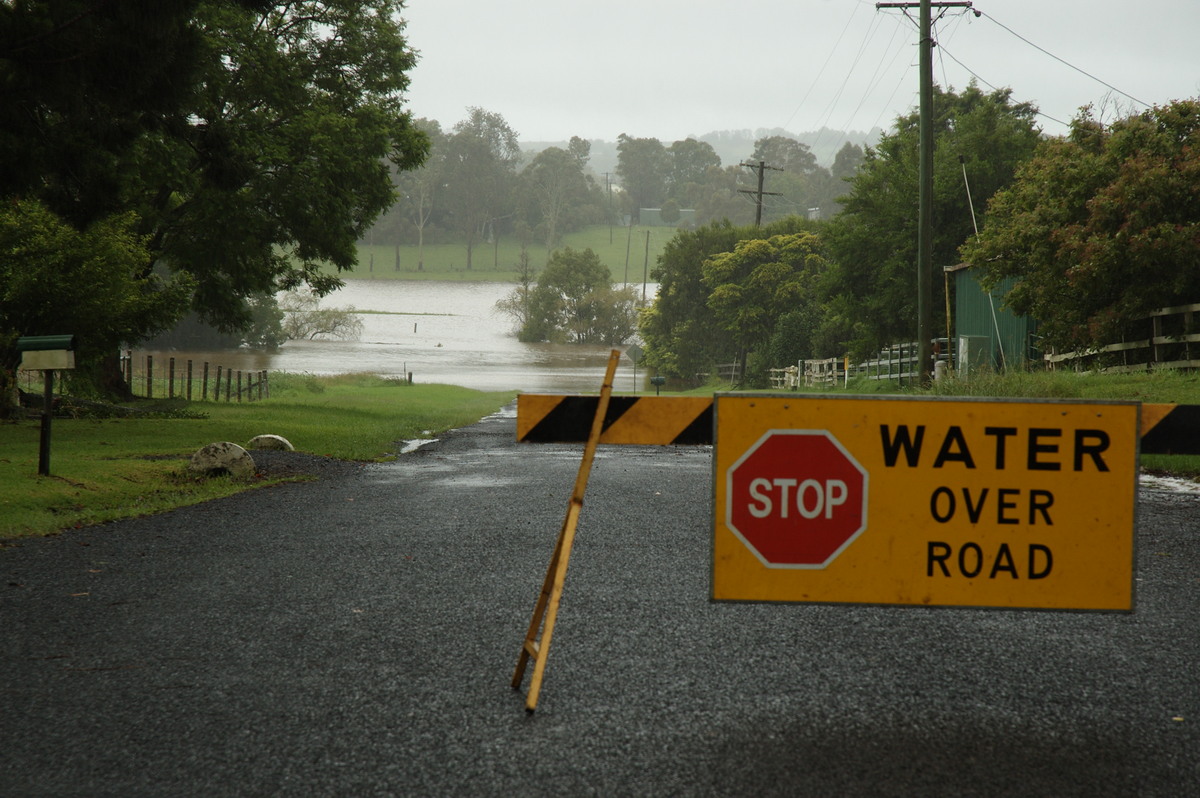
988, 334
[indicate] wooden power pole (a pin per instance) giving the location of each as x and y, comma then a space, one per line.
761, 168
925, 184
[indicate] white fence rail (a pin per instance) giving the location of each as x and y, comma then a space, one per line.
896, 362
1172, 342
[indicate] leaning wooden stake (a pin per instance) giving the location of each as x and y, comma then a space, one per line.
546, 608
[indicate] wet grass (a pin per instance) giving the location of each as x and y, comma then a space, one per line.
104, 469
625, 255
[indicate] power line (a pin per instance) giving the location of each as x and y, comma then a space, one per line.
1062, 60
828, 113
886, 106
974, 74
828, 58
877, 76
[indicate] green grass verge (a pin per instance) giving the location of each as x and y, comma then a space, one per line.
109, 469
488, 263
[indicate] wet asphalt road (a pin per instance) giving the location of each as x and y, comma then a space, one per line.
356, 636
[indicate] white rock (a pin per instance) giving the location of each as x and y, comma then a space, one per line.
223, 457
271, 442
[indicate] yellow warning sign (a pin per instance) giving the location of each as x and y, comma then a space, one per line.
940, 502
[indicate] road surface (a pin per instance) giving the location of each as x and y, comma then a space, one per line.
356, 636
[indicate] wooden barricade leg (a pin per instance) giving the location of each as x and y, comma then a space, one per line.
545, 612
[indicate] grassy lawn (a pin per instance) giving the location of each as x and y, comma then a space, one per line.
108, 469
489, 262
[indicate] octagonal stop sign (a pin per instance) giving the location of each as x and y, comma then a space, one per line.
796, 498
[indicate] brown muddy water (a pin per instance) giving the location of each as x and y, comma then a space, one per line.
439, 332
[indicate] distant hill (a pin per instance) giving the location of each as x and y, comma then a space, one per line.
733, 146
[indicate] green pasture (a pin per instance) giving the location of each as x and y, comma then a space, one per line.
498, 260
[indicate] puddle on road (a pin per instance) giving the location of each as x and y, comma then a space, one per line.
1166, 484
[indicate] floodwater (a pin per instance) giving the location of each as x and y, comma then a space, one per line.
439, 332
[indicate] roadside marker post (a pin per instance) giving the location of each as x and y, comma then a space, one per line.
545, 611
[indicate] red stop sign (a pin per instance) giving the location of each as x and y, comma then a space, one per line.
796, 498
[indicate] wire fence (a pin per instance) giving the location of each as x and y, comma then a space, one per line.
186, 379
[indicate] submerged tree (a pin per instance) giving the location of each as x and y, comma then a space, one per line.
575, 302
518, 304
304, 318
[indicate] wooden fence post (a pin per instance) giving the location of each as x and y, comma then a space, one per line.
189, 379
149, 376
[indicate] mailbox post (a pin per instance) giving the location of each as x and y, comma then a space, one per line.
46, 353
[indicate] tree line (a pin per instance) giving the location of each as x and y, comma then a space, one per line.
477, 184
1093, 229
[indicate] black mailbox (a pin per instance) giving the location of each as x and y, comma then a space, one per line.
46, 352
40, 343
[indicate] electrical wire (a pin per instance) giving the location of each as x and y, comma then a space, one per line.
828, 114
1083, 72
942, 49
872, 29
877, 76
824, 66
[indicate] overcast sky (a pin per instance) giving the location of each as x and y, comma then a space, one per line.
668, 69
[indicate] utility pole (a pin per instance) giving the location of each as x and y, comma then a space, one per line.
608, 191
925, 184
646, 268
761, 168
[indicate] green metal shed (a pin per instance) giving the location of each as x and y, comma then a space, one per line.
989, 334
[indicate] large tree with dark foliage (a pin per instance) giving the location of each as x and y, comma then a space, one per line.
480, 170
683, 334
249, 140
1100, 227
643, 166
872, 283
